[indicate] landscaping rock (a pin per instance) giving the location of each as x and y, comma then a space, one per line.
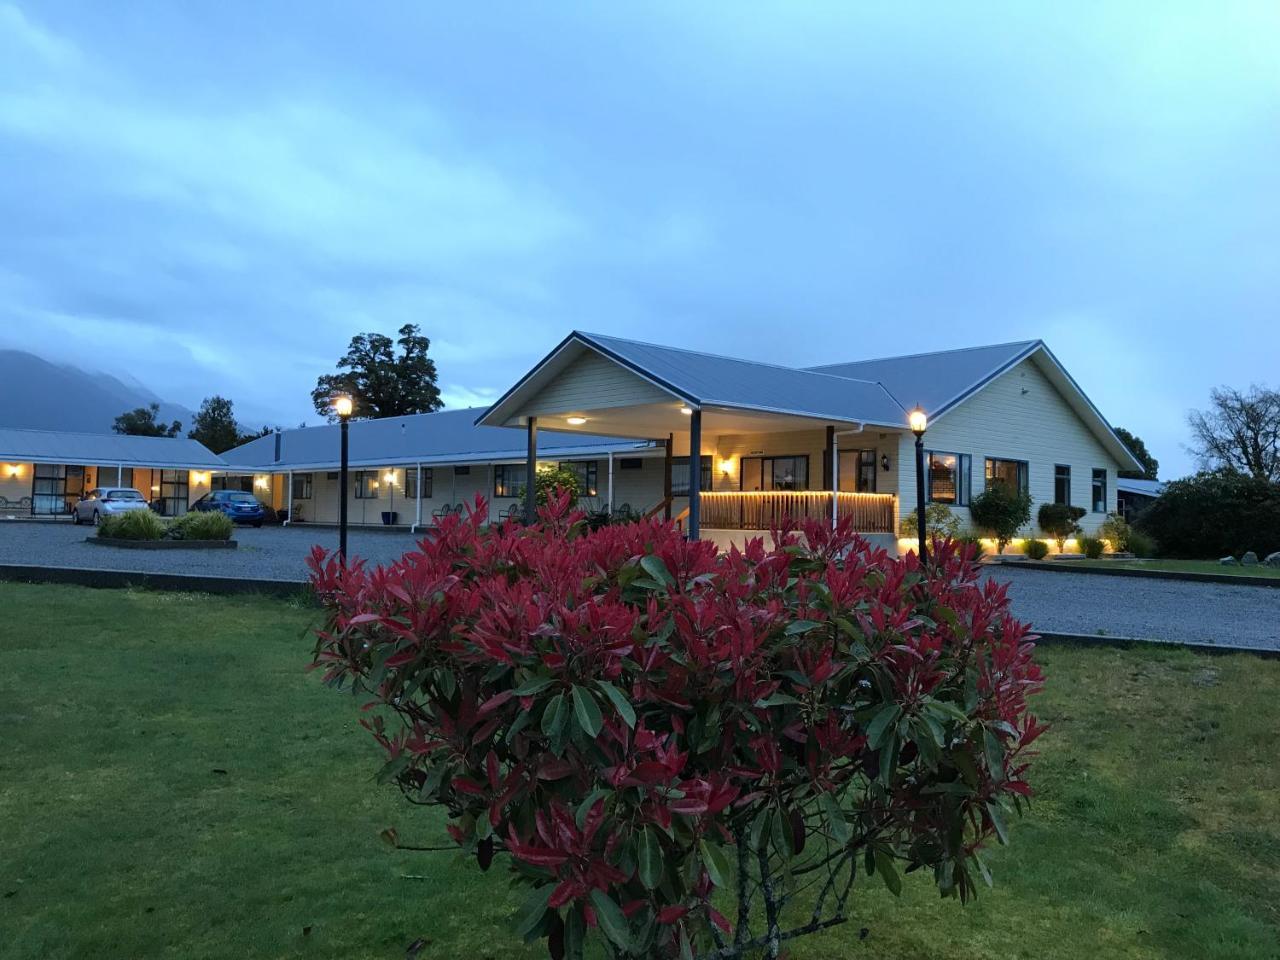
1229, 562
1250, 559
1273, 560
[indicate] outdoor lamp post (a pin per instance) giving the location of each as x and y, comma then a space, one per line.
342, 406
919, 422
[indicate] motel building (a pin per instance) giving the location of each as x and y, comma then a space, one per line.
43, 473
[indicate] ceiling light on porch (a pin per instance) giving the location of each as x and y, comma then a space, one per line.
575, 421
687, 411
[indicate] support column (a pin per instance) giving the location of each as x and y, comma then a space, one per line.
835, 476
695, 473
289, 481
417, 510
829, 465
531, 470
610, 498
666, 479
119, 473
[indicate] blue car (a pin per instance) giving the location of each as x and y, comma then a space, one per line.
240, 507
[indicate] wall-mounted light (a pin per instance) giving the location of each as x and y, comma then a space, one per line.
575, 421
390, 477
884, 462
726, 467
261, 483
13, 469
687, 411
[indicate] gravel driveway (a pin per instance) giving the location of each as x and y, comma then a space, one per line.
1175, 610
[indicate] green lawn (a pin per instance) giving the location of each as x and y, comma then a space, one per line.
172, 784
1179, 566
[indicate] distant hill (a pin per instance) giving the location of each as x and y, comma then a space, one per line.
40, 395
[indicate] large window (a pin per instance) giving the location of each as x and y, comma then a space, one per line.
1099, 491
680, 475
172, 501
509, 480
774, 473
1011, 473
302, 486
1062, 484
947, 477
225, 482
366, 484
587, 473
55, 488
411, 491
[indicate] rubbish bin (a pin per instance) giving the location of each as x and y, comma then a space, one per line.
389, 518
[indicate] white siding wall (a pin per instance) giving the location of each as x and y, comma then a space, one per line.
1019, 416
593, 382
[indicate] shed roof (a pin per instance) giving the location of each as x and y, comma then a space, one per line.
53, 446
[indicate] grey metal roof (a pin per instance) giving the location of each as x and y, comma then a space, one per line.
450, 436
1146, 488
48, 446
939, 380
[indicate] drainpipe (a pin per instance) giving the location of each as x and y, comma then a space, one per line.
835, 470
610, 506
417, 513
695, 473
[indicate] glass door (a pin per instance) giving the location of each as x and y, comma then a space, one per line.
55, 488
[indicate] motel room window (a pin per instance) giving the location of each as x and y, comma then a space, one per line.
173, 493
774, 473
464, 471
630, 463
49, 489
680, 475
1062, 484
302, 486
126, 477
1012, 473
587, 473
411, 483
509, 480
947, 477
366, 484
1099, 491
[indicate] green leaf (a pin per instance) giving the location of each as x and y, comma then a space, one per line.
649, 859
801, 626
619, 701
530, 914
393, 768
612, 920
716, 862
995, 754
655, 568
835, 818
533, 685
881, 724
587, 711
776, 700
580, 816
888, 872
997, 820
551, 714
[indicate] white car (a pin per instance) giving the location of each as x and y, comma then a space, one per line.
107, 502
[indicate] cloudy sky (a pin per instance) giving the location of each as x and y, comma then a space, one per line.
213, 197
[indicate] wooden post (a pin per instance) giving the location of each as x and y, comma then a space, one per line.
610, 501
829, 461
695, 473
531, 470
666, 479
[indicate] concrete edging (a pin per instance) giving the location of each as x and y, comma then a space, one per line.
1105, 640
162, 544
1067, 566
115, 579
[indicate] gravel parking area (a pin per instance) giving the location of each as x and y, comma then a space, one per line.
1174, 610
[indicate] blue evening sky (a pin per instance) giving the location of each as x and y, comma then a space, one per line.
213, 197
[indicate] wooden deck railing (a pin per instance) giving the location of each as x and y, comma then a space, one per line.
759, 510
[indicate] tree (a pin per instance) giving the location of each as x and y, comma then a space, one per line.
215, 425
1240, 431
1000, 511
141, 422
380, 383
1213, 514
1060, 521
1150, 465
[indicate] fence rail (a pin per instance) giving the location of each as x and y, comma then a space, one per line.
760, 510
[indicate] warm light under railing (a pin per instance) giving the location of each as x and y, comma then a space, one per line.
761, 509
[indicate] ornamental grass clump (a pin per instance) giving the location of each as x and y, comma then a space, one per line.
674, 750
134, 525
203, 525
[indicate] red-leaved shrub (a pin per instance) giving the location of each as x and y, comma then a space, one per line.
652, 730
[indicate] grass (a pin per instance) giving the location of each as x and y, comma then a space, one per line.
172, 784
1181, 566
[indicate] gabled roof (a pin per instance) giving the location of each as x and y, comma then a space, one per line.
50, 446
1145, 488
450, 436
708, 380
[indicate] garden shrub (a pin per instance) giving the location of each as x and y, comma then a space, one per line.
202, 525
1116, 531
1000, 511
648, 728
972, 543
1092, 547
939, 522
1140, 545
1061, 521
551, 480
1212, 514
134, 525
1036, 549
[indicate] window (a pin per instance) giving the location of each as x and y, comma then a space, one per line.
460, 472
630, 463
680, 475
866, 471
411, 483
1013, 473
49, 489
302, 486
1099, 491
509, 480
775, 473
173, 493
1062, 484
587, 473
366, 484
225, 482
942, 477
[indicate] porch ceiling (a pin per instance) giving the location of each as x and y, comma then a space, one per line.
654, 421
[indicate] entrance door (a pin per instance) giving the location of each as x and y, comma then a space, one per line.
858, 471
55, 487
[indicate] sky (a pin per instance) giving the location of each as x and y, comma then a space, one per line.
214, 197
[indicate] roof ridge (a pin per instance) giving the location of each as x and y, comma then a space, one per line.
927, 353
90, 433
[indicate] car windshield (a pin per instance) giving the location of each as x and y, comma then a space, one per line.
242, 497
123, 495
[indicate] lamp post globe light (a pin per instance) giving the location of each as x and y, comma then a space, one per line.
342, 406
919, 423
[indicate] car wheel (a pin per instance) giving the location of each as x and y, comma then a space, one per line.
97, 519
257, 524
75, 516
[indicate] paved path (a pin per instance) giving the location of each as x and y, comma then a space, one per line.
1054, 602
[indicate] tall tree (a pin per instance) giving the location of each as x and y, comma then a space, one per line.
1240, 431
1150, 465
380, 383
215, 425
141, 422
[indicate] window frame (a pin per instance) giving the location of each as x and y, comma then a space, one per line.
411, 491
588, 475
361, 485
964, 477
1022, 472
705, 480
1098, 478
519, 484
771, 459
307, 481
1059, 477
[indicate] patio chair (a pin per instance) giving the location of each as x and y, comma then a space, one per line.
513, 512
